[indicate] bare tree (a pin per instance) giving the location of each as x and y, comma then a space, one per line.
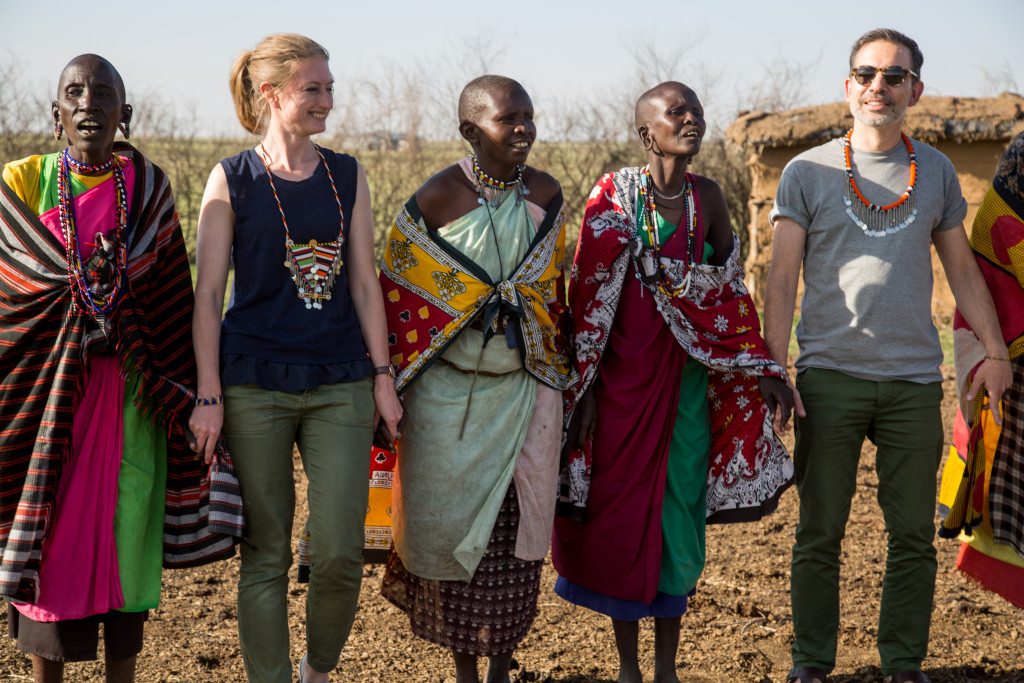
25, 122
169, 134
782, 85
997, 79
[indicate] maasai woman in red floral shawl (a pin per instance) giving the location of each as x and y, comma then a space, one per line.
668, 418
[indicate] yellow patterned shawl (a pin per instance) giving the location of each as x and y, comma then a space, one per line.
432, 292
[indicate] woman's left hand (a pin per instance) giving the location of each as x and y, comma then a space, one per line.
386, 404
780, 399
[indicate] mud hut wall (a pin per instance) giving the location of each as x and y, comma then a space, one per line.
975, 164
766, 170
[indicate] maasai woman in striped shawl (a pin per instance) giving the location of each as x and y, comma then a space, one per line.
474, 290
96, 363
983, 481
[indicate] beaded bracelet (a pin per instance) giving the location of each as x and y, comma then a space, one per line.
211, 401
997, 358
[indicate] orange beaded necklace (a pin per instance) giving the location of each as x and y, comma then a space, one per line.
873, 219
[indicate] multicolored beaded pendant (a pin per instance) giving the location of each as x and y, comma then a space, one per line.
650, 268
89, 292
875, 220
313, 266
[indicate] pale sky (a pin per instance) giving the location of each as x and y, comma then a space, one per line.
180, 51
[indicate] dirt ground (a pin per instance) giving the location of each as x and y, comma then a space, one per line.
739, 626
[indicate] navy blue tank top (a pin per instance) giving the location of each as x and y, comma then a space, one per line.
269, 337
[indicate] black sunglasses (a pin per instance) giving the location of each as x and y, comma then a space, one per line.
893, 75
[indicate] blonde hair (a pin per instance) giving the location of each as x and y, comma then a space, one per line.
274, 60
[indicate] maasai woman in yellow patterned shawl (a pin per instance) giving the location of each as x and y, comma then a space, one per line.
474, 293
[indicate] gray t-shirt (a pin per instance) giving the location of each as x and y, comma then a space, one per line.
866, 309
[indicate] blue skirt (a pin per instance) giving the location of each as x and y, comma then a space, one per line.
663, 605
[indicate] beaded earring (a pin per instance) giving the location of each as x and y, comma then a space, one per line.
58, 130
125, 127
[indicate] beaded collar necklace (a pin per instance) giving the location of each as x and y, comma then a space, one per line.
313, 266
875, 220
88, 293
498, 189
650, 268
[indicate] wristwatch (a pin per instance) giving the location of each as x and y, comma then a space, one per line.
388, 369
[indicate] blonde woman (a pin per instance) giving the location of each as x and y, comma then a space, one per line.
301, 355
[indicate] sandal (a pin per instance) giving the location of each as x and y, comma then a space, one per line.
302, 666
807, 674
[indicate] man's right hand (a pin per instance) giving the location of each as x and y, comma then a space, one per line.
798, 405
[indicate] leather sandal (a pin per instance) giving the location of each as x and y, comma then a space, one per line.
807, 674
907, 677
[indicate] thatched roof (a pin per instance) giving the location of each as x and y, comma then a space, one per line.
959, 119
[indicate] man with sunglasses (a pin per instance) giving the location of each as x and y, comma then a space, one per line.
859, 214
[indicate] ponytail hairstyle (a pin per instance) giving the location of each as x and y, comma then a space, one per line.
274, 60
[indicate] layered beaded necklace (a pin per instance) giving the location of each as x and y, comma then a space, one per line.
313, 266
498, 189
88, 293
875, 220
650, 269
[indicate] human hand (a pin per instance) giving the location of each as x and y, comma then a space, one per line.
387, 406
205, 425
782, 399
994, 376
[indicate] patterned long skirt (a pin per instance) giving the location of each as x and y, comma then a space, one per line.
486, 616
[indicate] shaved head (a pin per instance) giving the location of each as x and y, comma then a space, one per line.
93, 62
475, 95
647, 101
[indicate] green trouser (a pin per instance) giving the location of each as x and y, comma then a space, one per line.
332, 427
904, 421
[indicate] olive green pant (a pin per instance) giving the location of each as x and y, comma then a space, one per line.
904, 421
332, 427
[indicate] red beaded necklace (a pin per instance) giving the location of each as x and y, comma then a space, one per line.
875, 220
87, 290
313, 266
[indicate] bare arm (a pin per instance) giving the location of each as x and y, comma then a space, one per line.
788, 245
215, 235
369, 304
780, 288
975, 303
719, 227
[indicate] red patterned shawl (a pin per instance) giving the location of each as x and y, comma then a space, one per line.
715, 323
42, 345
